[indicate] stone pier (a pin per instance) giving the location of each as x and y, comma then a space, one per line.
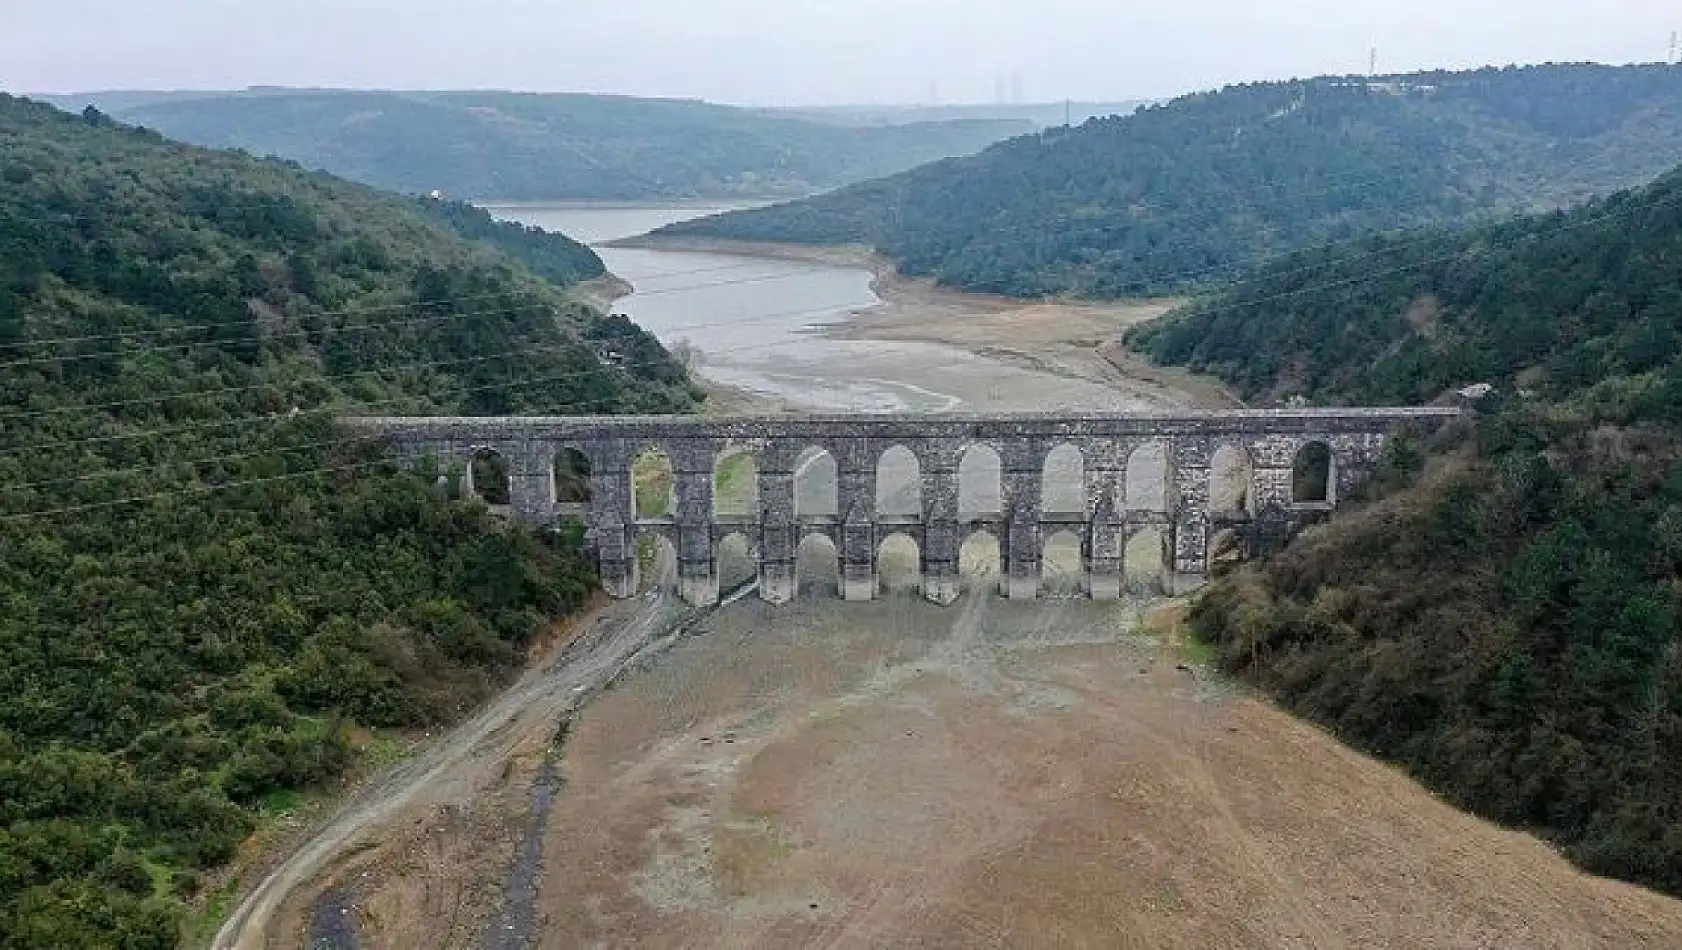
1178, 516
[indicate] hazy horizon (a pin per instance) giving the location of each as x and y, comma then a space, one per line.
764, 53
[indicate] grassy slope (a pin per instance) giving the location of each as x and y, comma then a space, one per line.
1200, 188
1505, 617
166, 665
517, 146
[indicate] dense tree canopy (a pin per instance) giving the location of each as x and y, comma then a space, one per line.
1506, 617
530, 147
207, 585
1554, 303
1192, 192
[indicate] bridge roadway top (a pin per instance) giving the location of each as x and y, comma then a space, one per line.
996, 425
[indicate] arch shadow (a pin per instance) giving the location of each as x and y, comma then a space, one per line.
1063, 564
980, 483
899, 485
1231, 474
817, 485
817, 568
736, 484
899, 564
490, 479
572, 473
735, 561
1063, 482
1314, 475
653, 484
1146, 561
1147, 478
981, 564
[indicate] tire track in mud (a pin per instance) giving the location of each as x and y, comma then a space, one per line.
513, 928
333, 926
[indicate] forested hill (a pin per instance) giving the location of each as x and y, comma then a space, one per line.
211, 592
1505, 618
1191, 192
1556, 303
532, 147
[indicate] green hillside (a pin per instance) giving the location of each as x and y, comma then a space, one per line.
1191, 192
1505, 616
530, 147
1555, 304
209, 590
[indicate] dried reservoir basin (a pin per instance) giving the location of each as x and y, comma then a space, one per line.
1014, 775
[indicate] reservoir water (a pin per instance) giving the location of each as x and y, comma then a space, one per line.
754, 322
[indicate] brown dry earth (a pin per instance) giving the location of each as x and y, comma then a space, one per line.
901, 775
1008, 775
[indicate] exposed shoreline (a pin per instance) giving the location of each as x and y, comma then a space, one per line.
1071, 339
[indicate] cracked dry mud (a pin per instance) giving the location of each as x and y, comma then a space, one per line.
1011, 775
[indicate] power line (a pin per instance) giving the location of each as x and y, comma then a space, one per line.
350, 311
196, 490
364, 327
1428, 261
768, 317
814, 311
515, 383
411, 367
996, 233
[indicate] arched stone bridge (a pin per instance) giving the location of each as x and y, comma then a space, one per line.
1135, 475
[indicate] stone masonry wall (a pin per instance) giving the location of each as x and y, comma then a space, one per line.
1272, 441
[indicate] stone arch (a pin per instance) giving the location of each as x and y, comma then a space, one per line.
817, 485
899, 563
736, 483
1147, 478
1314, 475
980, 483
1226, 551
899, 484
572, 477
817, 567
981, 563
735, 561
1063, 563
653, 484
1231, 478
489, 478
654, 553
1063, 481
1146, 559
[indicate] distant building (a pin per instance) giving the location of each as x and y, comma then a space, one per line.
1389, 87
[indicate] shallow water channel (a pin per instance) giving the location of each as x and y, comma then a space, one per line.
756, 323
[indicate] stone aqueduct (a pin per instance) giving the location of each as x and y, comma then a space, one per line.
1184, 515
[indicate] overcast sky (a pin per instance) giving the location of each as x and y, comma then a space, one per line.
796, 51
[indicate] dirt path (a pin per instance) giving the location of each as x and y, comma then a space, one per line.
476, 756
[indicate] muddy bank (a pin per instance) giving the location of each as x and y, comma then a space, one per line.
1057, 339
603, 292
